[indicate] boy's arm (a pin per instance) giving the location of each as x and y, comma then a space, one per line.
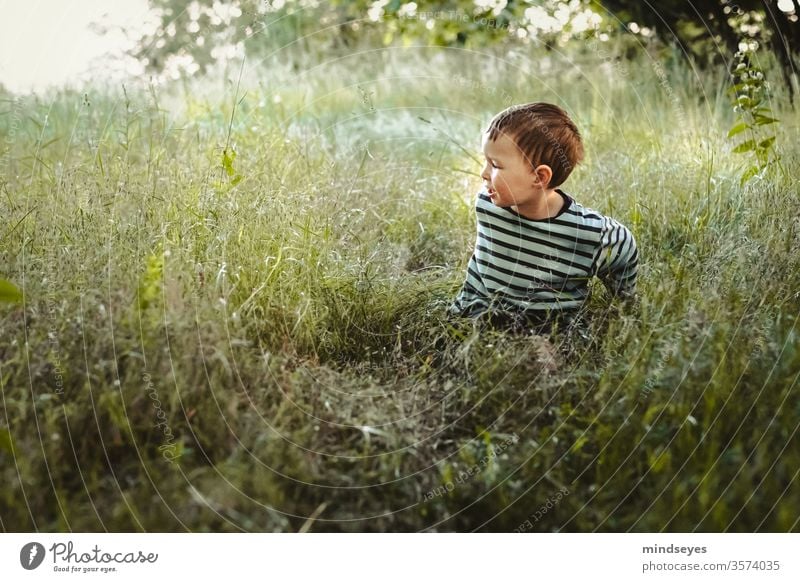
617, 261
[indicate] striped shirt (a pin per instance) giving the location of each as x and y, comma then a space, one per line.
540, 267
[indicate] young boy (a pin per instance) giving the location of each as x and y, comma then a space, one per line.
537, 248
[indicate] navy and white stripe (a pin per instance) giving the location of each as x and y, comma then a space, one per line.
541, 266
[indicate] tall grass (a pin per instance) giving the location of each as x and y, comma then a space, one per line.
273, 355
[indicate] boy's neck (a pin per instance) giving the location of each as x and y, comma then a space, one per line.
548, 205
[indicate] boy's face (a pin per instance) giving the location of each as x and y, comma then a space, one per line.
508, 177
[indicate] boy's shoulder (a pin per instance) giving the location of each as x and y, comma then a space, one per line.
592, 217
575, 221
575, 208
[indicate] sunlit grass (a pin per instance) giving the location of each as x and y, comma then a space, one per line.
293, 324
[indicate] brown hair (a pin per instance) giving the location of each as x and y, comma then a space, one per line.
544, 133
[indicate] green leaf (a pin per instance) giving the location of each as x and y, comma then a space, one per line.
749, 173
151, 281
747, 146
5, 441
763, 119
9, 292
659, 461
578, 444
227, 162
738, 128
766, 143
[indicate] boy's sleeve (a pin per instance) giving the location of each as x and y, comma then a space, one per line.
617, 261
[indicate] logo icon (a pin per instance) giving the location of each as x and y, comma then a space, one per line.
31, 555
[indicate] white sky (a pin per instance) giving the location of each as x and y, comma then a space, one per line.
48, 42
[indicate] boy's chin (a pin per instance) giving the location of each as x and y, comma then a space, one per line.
497, 202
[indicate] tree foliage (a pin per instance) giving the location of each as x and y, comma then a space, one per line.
714, 28
193, 35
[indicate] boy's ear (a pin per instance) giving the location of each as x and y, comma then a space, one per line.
542, 174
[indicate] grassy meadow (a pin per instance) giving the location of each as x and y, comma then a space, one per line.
258, 341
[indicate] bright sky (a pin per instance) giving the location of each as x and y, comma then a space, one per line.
49, 42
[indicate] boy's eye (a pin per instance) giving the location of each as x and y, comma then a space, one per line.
491, 163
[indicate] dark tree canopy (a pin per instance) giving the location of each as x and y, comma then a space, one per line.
717, 27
